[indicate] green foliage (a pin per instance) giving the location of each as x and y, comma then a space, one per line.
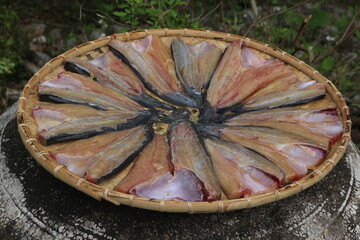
7, 66
357, 34
8, 57
13, 50
327, 64
80, 19
156, 14
319, 19
293, 19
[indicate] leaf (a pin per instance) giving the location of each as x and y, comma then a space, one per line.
328, 63
357, 34
119, 14
292, 18
319, 19
173, 13
124, 5
181, 3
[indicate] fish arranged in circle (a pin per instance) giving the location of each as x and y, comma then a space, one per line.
233, 123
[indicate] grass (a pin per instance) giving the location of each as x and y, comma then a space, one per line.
329, 41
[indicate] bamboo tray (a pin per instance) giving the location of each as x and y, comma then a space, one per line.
89, 50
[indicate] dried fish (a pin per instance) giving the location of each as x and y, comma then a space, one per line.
191, 161
80, 155
322, 126
195, 64
118, 155
242, 172
153, 64
292, 153
76, 89
152, 174
294, 94
100, 156
64, 122
112, 72
240, 73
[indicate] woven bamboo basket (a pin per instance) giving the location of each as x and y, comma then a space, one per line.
95, 48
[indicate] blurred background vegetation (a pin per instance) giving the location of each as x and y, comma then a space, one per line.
325, 34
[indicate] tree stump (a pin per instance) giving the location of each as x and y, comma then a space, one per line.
36, 205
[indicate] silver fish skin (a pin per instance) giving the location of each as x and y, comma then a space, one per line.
323, 126
153, 64
120, 154
241, 73
76, 89
195, 64
78, 156
190, 159
295, 94
64, 122
112, 72
241, 172
292, 153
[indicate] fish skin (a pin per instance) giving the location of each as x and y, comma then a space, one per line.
183, 185
241, 172
64, 122
295, 94
279, 85
231, 85
73, 88
153, 176
127, 83
292, 153
78, 156
188, 154
195, 64
120, 154
112, 72
322, 126
151, 62
149, 166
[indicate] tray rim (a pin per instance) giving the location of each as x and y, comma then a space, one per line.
99, 192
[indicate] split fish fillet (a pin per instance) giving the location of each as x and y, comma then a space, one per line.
100, 156
295, 93
195, 64
242, 172
323, 126
241, 73
153, 64
112, 72
76, 89
191, 161
64, 122
292, 153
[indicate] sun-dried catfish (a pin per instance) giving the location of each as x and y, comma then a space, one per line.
191, 161
292, 153
242, 172
76, 89
153, 64
239, 74
195, 64
64, 122
112, 72
323, 126
100, 156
